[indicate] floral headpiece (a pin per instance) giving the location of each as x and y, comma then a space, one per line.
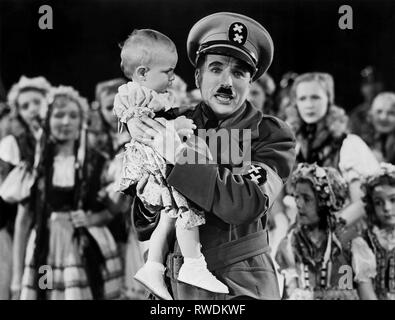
328, 184
386, 170
38, 83
385, 175
71, 93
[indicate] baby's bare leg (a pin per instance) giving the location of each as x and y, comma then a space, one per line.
151, 275
189, 242
194, 269
160, 238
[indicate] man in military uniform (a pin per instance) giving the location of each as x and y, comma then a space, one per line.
229, 51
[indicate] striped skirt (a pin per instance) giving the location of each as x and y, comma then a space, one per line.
64, 276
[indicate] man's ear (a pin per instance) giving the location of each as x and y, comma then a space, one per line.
197, 78
141, 72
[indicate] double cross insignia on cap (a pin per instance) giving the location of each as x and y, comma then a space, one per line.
237, 33
256, 174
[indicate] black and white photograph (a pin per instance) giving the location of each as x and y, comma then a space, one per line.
208, 150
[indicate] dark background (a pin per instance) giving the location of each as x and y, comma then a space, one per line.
82, 48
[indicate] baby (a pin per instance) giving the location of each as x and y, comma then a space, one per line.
149, 59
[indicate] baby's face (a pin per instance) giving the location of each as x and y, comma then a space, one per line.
161, 72
384, 204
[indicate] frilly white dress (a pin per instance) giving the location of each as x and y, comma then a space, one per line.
133, 101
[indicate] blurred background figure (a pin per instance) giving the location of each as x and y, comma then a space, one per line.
283, 95
261, 94
379, 130
371, 85
21, 120
67, 212
282, 213
104, 136
103, 125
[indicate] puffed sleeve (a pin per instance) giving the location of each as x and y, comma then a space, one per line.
363, 260
356, 159
243, 197
9, 150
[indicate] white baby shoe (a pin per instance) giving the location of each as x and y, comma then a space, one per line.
151, 276
195, 273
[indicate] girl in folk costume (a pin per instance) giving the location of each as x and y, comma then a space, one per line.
313, 258
28, 101
374, 252
323, 138
69, 234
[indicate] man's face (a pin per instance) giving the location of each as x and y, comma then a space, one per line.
224, 83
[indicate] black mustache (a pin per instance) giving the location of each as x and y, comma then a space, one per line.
225, 90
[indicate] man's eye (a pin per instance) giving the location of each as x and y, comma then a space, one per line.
24, 106
215, 70
238, 74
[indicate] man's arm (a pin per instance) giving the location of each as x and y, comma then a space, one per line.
241, 198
